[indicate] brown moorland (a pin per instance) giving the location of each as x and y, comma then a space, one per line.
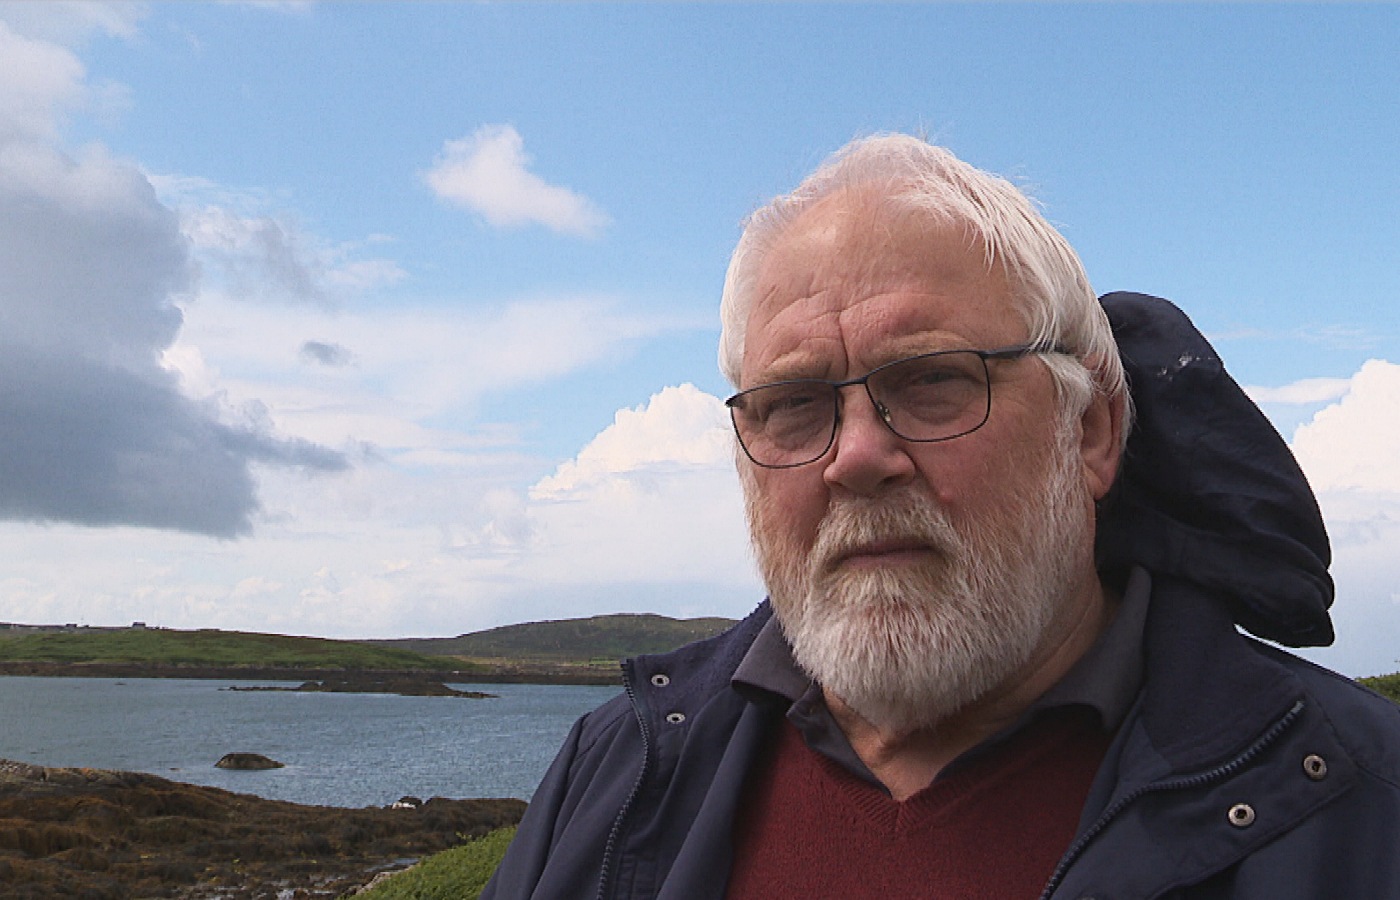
104, 835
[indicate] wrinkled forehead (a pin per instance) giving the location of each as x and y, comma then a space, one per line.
855, 246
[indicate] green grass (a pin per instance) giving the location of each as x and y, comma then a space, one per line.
457, 874
1385, 685
598, 639
159, 646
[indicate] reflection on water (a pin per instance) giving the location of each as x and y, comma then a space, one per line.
339, 749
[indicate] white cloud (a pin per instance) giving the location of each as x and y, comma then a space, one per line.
682, 528
1341, 337
1305, 391
39, 82
1349, 451
1355, 443
72, 23
292, 7
652, 499
411, 364
681, 426
249, 253
488, 173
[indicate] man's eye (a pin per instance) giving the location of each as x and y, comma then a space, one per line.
933, 376
788, 403
928, 377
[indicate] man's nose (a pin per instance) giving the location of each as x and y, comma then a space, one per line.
867, 456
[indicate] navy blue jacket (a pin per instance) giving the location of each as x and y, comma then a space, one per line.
1241, 772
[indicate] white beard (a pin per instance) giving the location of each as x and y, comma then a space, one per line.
907, 647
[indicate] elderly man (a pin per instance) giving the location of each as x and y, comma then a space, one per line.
999, 656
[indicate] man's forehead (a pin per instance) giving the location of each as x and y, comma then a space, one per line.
841, 260
856, 241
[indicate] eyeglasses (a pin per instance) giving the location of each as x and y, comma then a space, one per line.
925, 398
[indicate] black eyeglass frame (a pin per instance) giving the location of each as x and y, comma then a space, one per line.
1014, 352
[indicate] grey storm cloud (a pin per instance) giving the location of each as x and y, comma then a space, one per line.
93, 430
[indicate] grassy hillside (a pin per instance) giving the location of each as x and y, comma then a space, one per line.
570, 651
159, 646
571, 640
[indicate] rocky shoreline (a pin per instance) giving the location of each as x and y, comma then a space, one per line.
104, 835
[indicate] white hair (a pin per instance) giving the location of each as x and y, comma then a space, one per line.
907, 176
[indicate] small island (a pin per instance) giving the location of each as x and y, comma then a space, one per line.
370, 683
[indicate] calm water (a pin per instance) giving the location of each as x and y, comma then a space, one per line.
339, 749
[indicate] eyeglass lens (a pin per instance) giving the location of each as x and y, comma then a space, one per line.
924, 398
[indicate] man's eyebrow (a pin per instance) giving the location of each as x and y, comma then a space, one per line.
798, 363
919, 343
801, 364
804, 370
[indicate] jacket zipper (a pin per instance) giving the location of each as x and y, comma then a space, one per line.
610, 849
1190, 781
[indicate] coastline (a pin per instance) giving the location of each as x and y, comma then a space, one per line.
478, 673
110, 834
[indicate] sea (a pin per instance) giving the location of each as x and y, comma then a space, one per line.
348, 750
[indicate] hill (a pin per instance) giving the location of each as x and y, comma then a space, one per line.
574, 651
598, 638
206, 648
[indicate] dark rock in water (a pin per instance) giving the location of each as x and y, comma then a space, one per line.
102, 834
250, 762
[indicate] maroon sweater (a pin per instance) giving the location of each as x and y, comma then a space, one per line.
993, 827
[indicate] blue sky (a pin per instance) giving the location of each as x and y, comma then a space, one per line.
419, 300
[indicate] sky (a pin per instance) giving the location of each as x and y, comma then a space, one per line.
384, 320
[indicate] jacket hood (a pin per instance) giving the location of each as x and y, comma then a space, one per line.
1208, 491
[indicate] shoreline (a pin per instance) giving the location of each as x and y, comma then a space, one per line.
479, 673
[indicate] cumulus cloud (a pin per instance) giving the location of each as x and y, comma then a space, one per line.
1349, 451
39, 81
1354, 444
42, 83
103, 445
653, 499
677, 428
93, 429
489, 173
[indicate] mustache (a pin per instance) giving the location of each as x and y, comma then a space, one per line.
907, 518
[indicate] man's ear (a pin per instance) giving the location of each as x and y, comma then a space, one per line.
1101, 442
